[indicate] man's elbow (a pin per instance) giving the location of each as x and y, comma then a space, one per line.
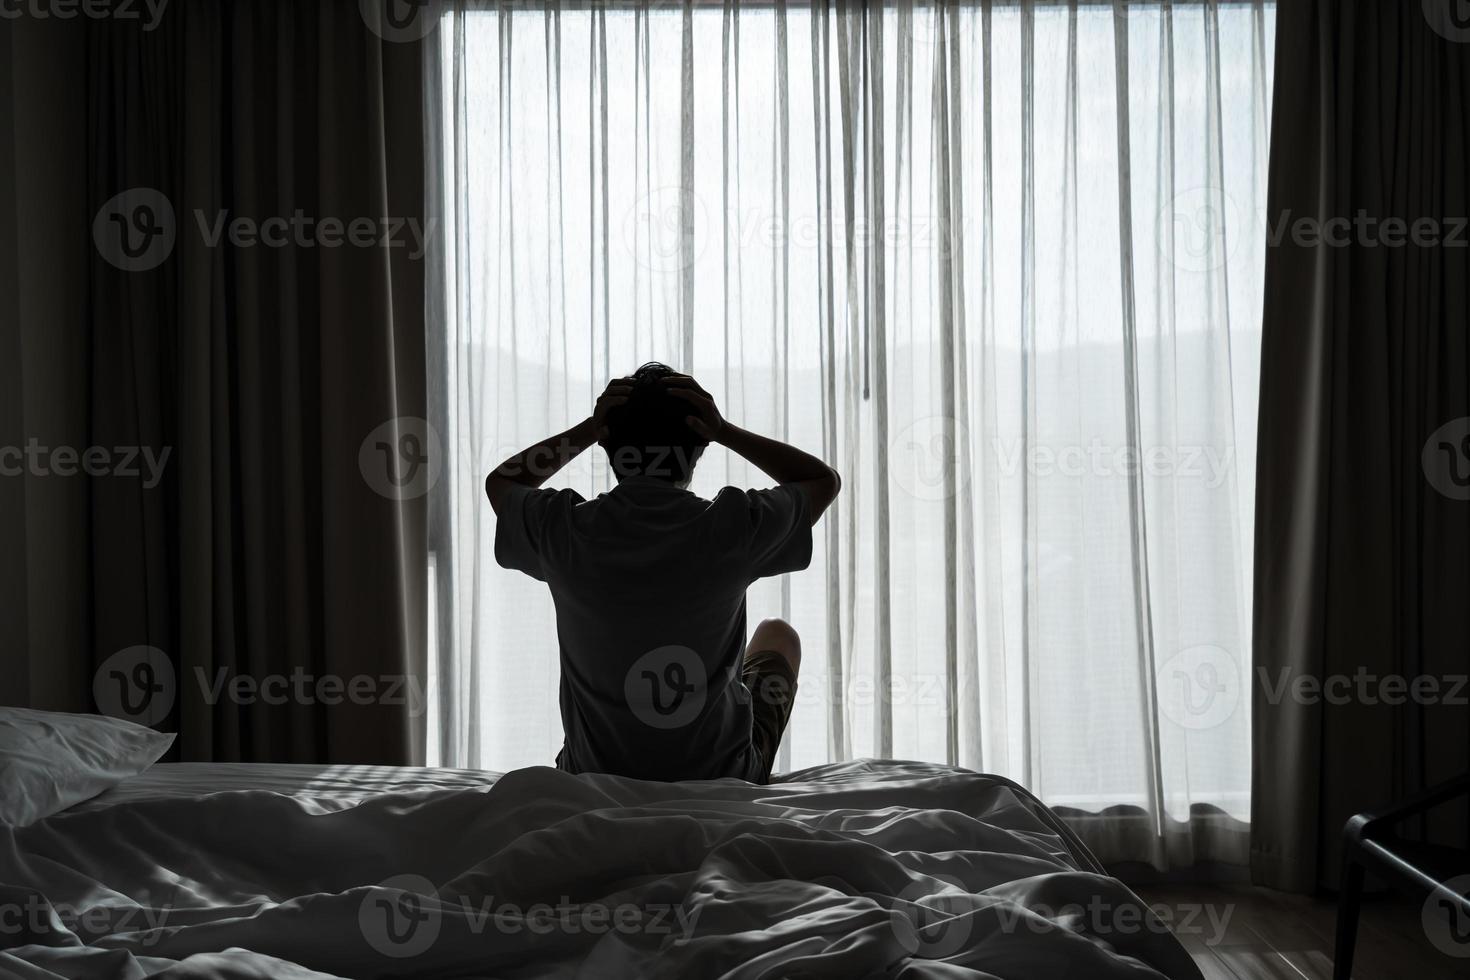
495, 491
823, 492
832, 483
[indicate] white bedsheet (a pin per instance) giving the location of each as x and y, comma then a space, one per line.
862, 869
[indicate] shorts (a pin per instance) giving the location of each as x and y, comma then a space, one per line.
772, 686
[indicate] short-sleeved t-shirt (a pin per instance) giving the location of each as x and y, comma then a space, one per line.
649, 586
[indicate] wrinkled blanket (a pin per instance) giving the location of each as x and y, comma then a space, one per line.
863, 869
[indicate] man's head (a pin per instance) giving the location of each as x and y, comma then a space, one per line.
647, 435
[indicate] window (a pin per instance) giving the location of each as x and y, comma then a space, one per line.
1002, 265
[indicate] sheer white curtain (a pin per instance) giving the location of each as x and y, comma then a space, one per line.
1000, 264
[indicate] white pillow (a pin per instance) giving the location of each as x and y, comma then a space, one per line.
50, 761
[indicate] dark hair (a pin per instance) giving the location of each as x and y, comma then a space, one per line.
647, 434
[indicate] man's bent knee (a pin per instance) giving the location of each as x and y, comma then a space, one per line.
777, 636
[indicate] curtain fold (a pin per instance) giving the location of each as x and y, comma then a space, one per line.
43, 517
1361, 566
1007, 285
271, 585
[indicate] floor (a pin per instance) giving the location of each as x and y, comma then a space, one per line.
1244, 933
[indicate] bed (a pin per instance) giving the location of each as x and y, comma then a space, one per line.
859, 869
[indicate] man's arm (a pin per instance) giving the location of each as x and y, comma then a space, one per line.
536, 464
786, 464
781, 462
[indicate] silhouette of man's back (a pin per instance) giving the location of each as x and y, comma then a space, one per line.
649, 584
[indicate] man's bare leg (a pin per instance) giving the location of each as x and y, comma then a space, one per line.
776, 636
772, 661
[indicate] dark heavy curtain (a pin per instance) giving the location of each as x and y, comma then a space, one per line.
266, 553
1362, 564
43, 265
13, 590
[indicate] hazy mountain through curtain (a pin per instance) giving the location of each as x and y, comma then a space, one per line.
916, 244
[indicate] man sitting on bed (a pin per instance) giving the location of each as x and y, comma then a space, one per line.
649, 580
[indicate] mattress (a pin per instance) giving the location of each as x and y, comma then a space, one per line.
323, 788
860, 869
